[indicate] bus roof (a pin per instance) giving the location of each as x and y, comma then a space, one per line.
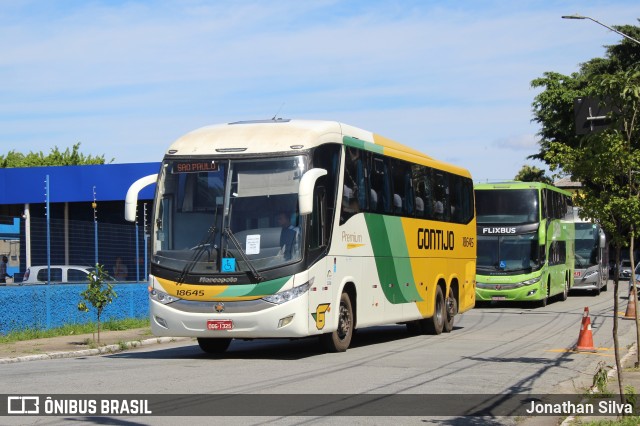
282, 135
516, 184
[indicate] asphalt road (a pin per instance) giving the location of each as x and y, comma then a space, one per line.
499, 349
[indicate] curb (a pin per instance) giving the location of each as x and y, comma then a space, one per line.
610, 374
103, 350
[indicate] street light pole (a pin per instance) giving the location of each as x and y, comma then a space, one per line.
576, 16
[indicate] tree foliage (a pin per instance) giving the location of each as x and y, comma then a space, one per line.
532, 174
68, 157
607, 163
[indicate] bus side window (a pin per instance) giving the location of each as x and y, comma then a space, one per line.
381, 184
441, 205
328, 157
354, 193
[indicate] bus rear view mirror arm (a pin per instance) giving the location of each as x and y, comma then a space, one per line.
131, 200
305, 194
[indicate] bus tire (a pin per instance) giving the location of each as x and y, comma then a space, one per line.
435, 324
339, 340
565, 291
213, 346
543, 302
451, 307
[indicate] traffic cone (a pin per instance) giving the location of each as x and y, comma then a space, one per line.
631, 305
585, 339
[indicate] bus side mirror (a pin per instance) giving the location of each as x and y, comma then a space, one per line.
305, 191
131, 200
603, 240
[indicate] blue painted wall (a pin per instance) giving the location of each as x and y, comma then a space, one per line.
49, 306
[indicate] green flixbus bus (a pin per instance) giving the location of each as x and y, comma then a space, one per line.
526, 246
295, 228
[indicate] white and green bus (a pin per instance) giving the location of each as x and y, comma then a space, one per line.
294, 228
525, 242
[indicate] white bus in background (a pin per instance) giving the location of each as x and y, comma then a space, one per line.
592, 256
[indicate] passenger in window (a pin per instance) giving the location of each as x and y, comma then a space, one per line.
419, 207
438, 209
289, 246
373, 200
397, 204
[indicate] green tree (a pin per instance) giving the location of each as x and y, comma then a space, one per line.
532, 174
68, 157
99, 293
606, 162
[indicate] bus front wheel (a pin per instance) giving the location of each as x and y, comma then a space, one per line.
213, 346
339, 340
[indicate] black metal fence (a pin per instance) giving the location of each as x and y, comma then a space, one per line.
84, 243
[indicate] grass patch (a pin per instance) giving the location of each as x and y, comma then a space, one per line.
74, 329
623, 421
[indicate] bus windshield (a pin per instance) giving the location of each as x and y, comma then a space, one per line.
513, 254
586, 245
228, 216
507, 206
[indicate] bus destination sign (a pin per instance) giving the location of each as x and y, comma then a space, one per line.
194, 166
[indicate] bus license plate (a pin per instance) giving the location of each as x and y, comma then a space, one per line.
219, 325
498, 298
576, 274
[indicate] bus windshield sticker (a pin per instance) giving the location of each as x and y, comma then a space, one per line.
228, 264
253, 244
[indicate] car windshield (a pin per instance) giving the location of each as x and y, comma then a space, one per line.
228, 216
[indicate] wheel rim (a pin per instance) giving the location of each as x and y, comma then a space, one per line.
344, 322
439, 311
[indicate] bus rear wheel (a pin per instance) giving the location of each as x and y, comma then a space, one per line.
452, 309
565, 291
435, 324
213, 346
339, 340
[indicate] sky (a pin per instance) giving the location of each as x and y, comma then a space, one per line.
449, 78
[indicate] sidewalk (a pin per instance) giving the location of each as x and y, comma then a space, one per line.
79, 345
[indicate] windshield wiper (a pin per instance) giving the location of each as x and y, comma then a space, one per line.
236, 243
203, 245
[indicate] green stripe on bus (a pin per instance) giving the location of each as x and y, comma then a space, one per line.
383, 255
262, 289
401, 260
360, 144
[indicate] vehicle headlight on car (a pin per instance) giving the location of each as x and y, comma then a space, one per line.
161, 296
288, 295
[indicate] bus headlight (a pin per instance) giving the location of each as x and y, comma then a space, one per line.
288, 295
589, 274
531, 281
162, 297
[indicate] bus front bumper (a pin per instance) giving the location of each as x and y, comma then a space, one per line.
502, 292
244, 320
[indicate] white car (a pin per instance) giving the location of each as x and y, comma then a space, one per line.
625, 269
66, 274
